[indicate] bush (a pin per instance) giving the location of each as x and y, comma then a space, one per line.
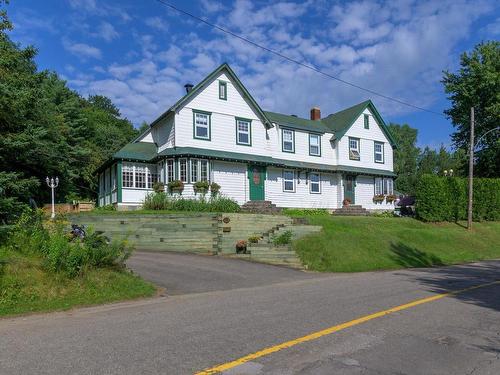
306, 212
163, 201
108, 207
61, 253
254, 238
284, 238
446, 198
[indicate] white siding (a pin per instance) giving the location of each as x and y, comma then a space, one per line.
148, 137
164, 133
364, 193
232, 177
134, 195
301, 198
367, 138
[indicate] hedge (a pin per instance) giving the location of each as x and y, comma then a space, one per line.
445, 198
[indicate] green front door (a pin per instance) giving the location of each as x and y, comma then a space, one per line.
256, 177
349, 185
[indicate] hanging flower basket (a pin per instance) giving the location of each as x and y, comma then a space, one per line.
390, 198
201, 187
214, 188
379, 198
176, 186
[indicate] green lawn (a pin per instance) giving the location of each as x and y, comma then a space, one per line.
26, 287
351, 244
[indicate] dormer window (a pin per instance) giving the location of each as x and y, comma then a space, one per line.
354, 148
222, 90
314, 144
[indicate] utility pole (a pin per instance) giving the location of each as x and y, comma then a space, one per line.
471, 169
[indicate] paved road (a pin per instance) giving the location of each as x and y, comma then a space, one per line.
182, 334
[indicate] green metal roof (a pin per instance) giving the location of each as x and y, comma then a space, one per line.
141, 151
297, 122
224, 67
340, 122
267, 160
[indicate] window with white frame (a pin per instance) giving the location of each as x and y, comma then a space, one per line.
314, 183
289, 180
128, 176
202, 125
195, 173
153, 177
379, 152
170, 170
367, 121
183, 170
379, 186
388, 186
354, 148
243, 132
140, 177
288, 140
204, 170
199, 170
314, 144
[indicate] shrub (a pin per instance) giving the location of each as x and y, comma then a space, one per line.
306, 211
108, 207
254, 238
284, 238
163, 201
446, 198
156, 201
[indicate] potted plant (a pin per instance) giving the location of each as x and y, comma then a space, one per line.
214, 188
176, 186
346, 202
241, 247
158, 187
379, 198
390, 198
201, 187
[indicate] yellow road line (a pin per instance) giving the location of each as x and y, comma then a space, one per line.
329, 331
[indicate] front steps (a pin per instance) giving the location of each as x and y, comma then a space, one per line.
351, 210
265, 251
261, 207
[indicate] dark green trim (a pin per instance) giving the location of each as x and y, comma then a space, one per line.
223, 83
366, 119
375, 154
319, 144
283, 180
283, 142
298, 123
249, 131
349, 148
119, 183
209, 114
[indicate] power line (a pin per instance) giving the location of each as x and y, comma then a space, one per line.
307, 66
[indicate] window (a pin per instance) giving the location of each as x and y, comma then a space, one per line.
354, 149
314, 183
204, 170
152, 177
114, 170
183, 173
222, 90
140, 177
288, 140
379, 182
201, 124
384, 186
314, 144
194, 170
367, 121
388, 186
243, 132
289, 181
128, 176
101, 184
170, 170
379, 152
199, 170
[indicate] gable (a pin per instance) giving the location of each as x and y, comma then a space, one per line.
340, 122
230, 75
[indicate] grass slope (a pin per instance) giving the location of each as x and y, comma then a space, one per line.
351, 244
26, 287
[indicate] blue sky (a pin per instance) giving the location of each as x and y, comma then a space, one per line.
140, 53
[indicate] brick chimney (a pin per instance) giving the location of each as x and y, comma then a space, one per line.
315, 113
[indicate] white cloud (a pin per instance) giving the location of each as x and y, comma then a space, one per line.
156, 23
211, 6
107, 32
82, 50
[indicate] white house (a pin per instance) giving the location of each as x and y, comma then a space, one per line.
217, 132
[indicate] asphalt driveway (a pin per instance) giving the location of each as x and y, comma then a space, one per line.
189, 273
